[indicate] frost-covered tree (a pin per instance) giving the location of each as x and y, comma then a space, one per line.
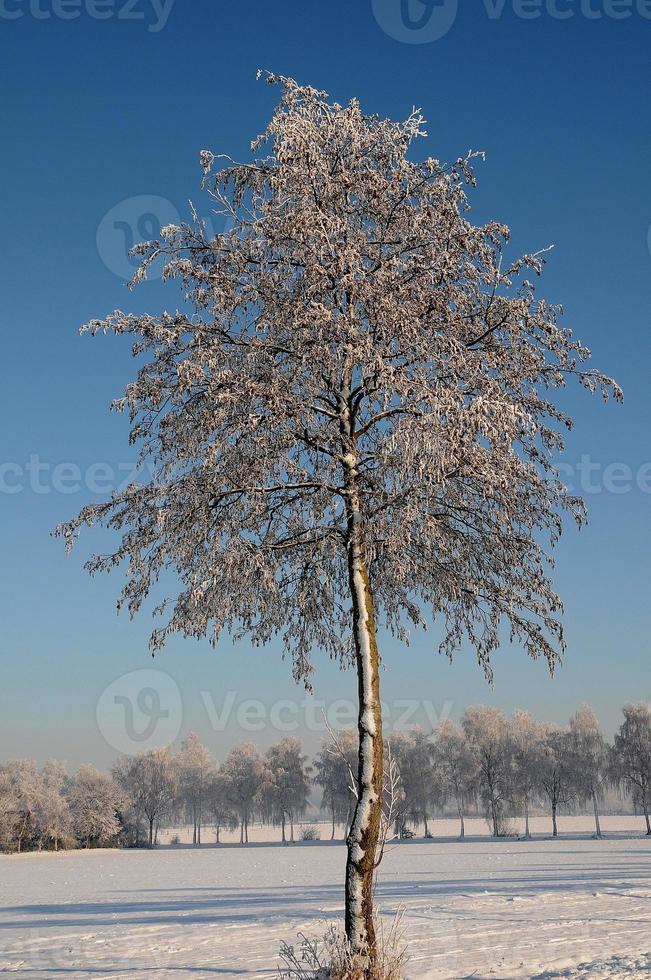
590, 758
555, 770
287, 783
7, 810
632, 755
195, 766
350, 420
150, 782
526, 737
52, 816
415, 760
335, 772
95, 803
220, 807
244, 773
18, 800
487, 732
458, 767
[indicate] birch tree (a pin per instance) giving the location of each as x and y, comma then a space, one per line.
487, 732
150, 781
555, 771
350, 420
414, 758
288, 784
244, 772
526, 736
220, 807
194, 766
458, 767
589, 758
632, 755
336, 769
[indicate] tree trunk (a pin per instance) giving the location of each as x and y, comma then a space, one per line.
332, 836
596, 816
199, 833
242, 831
554, 824
151, 831
426, 828
291, 828
365, 829
527, 834
217, 829
282, 825
496, 826
462, 830
646, 816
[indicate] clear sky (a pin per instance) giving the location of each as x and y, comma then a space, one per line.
105, 106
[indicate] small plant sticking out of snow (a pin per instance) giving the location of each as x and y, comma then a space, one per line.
332, 957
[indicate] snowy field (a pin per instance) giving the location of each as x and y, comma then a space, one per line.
574, 907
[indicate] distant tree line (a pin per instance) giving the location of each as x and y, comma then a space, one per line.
490, 763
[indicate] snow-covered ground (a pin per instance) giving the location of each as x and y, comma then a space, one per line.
574, 907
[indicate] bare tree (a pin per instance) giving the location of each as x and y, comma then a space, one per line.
414, 758
243, 772
350, 418
195, 766
336, 774
632, 755
458, 767
555, 770
487, 732
287, 788
220, 805
526, 737
590, 758
149, 779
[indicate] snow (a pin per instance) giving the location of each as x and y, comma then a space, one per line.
573, 907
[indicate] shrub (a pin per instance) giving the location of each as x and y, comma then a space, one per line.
310, 833
331, 958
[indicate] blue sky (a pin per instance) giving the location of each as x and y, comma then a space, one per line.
102, 123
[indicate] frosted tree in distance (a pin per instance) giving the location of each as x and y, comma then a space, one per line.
349, 421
